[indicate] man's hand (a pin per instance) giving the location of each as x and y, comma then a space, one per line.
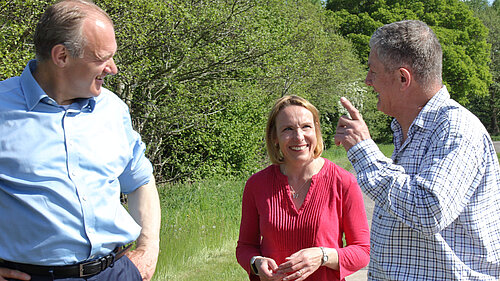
11, 273
351, 131
145, 259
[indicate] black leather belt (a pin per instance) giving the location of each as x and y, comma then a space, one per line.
84, 269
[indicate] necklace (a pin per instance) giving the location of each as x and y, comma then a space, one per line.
295, 193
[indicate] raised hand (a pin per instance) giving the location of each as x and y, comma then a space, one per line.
351, 130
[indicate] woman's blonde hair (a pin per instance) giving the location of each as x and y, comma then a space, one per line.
273, 150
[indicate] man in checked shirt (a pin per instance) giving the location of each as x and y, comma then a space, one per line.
437, 199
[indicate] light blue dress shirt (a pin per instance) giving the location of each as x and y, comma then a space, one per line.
437, 200
61, 174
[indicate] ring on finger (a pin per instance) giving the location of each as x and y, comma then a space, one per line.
299, 272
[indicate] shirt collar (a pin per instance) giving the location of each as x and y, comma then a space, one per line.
427, 114
34, 94
429, 111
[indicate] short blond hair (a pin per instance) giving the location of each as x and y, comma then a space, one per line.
272, 149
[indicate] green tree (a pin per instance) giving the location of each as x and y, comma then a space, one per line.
200, 76
466, 53
487, 107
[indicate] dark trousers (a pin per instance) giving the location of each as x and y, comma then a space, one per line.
122, 270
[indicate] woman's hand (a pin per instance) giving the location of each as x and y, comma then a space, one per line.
267, 269
301, 264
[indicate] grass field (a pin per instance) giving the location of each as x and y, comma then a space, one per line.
200, 224
199, 230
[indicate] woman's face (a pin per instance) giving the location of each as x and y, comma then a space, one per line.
296, 134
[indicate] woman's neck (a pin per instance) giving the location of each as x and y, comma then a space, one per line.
304, 171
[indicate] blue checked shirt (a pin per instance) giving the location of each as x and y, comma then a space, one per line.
61, 173
437, 200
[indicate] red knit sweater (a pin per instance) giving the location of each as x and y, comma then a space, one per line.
272, 227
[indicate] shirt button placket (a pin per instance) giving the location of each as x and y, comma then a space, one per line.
70, 148
77, 177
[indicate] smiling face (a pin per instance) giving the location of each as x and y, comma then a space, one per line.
85, 76
296, 134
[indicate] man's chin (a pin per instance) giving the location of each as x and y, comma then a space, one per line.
96, 92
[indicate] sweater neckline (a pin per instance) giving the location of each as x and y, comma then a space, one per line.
283, 184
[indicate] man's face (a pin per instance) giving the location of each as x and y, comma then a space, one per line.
385, 83
86, 75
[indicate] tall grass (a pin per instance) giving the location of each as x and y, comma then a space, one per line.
338, 155
201, 223
199, 231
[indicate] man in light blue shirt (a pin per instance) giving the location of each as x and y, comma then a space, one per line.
437, 199
67, 151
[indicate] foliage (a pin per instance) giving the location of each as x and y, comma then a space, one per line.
200, 76
462, 36
487, 107
17, 24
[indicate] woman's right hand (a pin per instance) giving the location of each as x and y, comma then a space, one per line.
14, 274
267, 269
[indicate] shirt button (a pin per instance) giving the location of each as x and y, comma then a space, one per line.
354, 160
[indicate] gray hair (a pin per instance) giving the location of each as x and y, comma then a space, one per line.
412, 44
62, 23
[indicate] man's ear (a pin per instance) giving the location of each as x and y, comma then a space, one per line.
405, 77
60, 55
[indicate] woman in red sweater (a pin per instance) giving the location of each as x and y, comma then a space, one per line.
296, 211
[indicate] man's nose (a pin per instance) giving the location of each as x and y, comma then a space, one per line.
368, 81
111, 67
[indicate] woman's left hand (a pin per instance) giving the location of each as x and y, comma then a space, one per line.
301, 264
